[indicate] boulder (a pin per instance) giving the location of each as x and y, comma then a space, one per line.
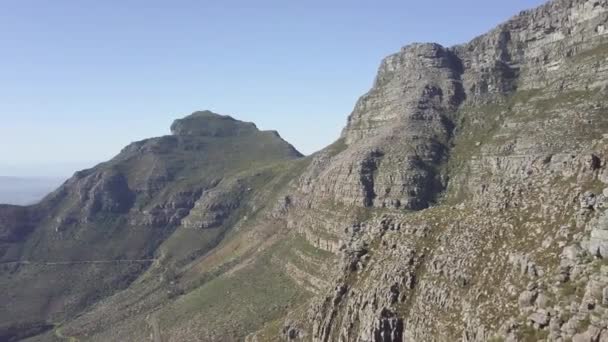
540, 319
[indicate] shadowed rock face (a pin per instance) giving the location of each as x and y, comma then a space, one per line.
398, 134
106, 192
15, 223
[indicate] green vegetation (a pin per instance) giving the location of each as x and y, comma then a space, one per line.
337, 147
598, 52
163, 175
529, 334
59, 333
238, 301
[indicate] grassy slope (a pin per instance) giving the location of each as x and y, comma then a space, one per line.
245, 255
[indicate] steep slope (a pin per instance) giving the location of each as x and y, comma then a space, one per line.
503, 139
102, 228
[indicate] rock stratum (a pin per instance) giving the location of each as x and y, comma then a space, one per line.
464, 200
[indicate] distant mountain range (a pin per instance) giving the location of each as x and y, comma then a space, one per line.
25, 190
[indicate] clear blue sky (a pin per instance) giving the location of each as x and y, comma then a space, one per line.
81, 79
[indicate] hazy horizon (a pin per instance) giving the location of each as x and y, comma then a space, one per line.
81, 81
57, 169
26, 190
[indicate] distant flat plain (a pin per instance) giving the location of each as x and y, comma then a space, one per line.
26, 190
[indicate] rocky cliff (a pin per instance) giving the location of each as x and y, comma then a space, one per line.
464, 200
499, 145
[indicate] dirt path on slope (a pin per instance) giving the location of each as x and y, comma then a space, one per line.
153, 323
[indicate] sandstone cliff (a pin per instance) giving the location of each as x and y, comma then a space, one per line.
502, 144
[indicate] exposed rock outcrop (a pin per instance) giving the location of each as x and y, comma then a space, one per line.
505, 138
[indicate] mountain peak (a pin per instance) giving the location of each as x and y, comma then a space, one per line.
208, 123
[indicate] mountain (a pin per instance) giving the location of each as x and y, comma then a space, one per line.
24, 191
464, 200
106, 226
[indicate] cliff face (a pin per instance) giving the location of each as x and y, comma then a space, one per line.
504, 140
464, 200
403, 127
399, 131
